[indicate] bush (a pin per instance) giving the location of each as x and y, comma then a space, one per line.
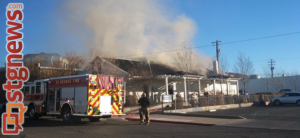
266, 98
193, 102
219, 100
212, 101
243, 99
254, 98
235, 99
179, 103
202, 101
228, 100
131, 100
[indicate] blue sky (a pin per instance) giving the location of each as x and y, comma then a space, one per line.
221, 20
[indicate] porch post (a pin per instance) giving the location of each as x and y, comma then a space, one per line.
237, 87
199, 83
227, 87
214, 87
167, 87
185, 95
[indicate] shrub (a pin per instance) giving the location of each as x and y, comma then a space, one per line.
212, 101
235, 99
219, 100
131, 100
266, 98
228, 100
202, 101
179, 103
254, 98
243, 99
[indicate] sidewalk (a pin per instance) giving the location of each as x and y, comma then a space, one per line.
190, 120
221, 122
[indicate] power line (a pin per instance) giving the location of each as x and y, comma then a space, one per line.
260, 38
239, 41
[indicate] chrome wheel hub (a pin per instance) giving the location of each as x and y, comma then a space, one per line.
67, 115
31, 113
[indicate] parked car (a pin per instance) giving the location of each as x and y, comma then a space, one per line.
287, 98
285, 90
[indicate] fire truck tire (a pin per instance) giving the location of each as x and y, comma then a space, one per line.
66, 114
94, 119
31, 113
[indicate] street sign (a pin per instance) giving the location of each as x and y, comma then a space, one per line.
167, 98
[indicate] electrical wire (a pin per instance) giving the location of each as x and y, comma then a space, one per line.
239, 41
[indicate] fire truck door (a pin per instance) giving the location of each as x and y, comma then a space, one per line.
51, 100
80, 99
57, 99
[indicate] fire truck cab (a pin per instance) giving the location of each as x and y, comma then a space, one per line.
81, 96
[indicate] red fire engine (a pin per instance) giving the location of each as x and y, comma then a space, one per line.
82, 96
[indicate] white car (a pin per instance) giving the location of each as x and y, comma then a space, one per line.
287, 98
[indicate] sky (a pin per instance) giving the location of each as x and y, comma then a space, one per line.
221, 20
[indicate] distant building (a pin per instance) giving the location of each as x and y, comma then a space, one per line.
46, 60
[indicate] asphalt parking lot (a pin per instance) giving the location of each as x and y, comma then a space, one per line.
119, 127
286, 112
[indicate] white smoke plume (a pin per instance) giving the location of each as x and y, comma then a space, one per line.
122, 28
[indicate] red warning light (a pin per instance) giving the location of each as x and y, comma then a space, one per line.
120, 80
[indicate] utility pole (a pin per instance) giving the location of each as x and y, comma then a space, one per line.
272, 63
217, 51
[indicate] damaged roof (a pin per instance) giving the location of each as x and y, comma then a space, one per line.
142, 68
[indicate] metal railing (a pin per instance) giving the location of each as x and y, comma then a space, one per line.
209, 101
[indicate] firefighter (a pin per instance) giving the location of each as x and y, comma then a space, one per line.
144, 111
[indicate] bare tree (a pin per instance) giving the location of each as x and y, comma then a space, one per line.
280, 80
75, 62
187, 60
244, 67
267, 78
224, 65
294, 81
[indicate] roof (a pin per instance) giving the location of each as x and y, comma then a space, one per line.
142, 68
49, 54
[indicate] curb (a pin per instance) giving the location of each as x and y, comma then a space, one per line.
205, 115
151, 111
172, 122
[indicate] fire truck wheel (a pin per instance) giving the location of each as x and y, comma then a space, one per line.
31, 113
66, 114
94, 119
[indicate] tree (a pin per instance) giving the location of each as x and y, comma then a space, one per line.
187, 60
280, 80
267, 78
294, 81
224, 65
75, 62
244, 67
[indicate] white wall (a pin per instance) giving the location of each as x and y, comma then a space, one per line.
260, 85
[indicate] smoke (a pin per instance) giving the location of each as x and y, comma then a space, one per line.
123, 28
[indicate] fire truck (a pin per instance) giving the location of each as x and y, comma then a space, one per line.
78, 96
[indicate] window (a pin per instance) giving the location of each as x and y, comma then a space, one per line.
285, 95
38, 87
297, 94
32, 89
